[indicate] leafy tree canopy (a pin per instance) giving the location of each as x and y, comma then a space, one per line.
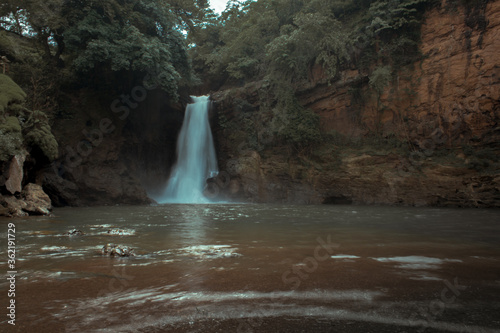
254, 39
280, 41
111, 36
114, 43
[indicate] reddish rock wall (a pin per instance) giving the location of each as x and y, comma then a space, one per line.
445, 107
456, 87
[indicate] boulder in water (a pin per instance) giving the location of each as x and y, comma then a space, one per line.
32, 201
12, 207
114, 250
75, 232
37, 201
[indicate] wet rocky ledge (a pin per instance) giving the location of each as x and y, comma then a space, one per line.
17, 200
32, 200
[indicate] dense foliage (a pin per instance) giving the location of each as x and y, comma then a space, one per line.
113, 44
285, 38
280, 42
58, 47
111, 41
21, 127
11, 99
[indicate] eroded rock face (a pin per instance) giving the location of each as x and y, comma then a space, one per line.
37, 201
98, 185
14, 175
13, 207
110, 158
446, 109
456, 87
32, 201
101, 179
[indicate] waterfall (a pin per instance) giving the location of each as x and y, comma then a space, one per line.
196, 159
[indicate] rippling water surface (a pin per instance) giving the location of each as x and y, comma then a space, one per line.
258, 268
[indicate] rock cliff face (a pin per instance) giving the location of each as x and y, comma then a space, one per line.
432, 137
32, 201
113, 151
455, 87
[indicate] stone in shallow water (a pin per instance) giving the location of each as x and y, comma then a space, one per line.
14, 207
114, 250
38, 202
32, 201
75, 232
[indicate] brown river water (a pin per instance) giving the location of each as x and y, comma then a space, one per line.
255, 268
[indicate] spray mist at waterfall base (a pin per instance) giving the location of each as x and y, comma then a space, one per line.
196, 158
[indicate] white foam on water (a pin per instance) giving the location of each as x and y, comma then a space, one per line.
191, 307
416, 262
210, 251
344, 256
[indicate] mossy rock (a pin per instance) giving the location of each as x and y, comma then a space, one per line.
11, 138
10, 93
10, 144
11, 125
42, 137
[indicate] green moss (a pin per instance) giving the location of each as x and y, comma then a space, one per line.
380, 78
302, 128
10, 93
10, 125
38, 133
10, 145
289, 122
44, 139
11, 139
6, 45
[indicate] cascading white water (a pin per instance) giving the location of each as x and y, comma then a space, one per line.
196, 159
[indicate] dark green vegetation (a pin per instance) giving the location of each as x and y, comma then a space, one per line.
20, 125
63, 49
283, 39
282, 42
92, 43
